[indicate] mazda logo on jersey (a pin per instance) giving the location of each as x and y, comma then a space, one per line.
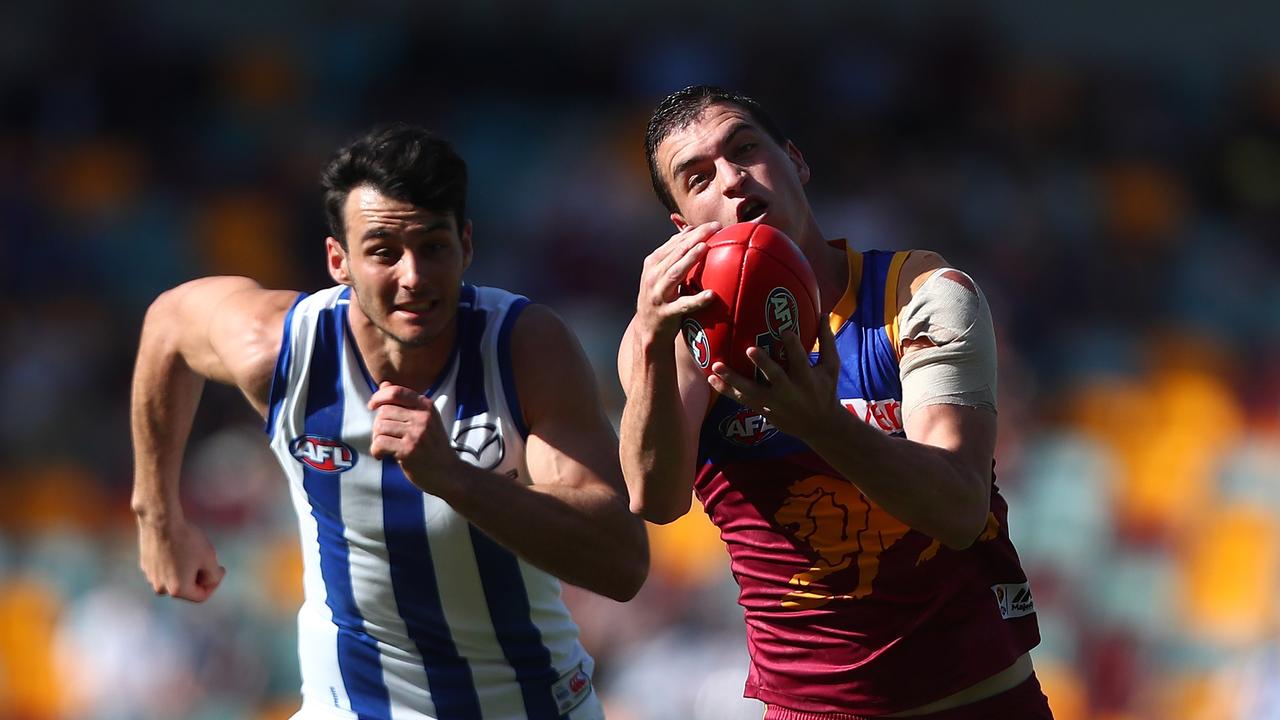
480, 444
323, 454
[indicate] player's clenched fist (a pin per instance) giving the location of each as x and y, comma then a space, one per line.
407, 427
178, 560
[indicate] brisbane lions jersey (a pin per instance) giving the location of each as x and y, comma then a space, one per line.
410, 611
848, 610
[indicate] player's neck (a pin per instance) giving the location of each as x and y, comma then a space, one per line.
830, 265
416, 367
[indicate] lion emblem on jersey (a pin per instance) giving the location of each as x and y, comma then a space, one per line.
839, 526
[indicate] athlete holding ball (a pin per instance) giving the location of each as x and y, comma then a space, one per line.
856, 496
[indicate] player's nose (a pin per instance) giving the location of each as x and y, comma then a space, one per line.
732, 177
411, 275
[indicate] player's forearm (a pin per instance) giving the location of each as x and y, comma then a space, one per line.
163, 404
584, 536
926, 487
652, 440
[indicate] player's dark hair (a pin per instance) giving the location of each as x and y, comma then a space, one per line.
401, 161
680, 109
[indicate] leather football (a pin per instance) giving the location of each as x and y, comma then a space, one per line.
764, 286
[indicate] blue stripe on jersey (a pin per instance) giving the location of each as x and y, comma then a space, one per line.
471, 400
413, 576
513, 625
280, 378
357, 651
505, 364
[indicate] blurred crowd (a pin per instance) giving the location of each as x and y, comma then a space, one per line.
1121, 211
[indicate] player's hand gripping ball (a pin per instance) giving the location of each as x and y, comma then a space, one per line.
764, 287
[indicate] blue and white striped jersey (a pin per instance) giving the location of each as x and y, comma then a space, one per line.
411, 612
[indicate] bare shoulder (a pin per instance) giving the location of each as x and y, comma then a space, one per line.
550, 367
246, 330
540, 337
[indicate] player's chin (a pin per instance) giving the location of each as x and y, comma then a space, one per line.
413, 335
412, 339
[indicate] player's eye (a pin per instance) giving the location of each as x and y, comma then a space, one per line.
696, 181
747, 148
384, 254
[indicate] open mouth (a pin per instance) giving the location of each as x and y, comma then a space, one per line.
752, 210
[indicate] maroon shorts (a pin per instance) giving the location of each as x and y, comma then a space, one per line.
1022, 702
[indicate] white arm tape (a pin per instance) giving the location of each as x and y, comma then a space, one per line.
950, 311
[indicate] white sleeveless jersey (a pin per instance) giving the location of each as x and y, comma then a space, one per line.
410, 611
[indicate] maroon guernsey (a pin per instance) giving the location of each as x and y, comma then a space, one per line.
849, 611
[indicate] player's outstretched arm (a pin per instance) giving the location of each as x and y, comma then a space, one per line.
226, 329
666, 395
570, 516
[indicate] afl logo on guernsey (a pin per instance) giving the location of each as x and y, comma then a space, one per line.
323, 454
746, 428
696, 338
781, 312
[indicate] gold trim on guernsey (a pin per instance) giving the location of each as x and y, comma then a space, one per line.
848, 303
891, 300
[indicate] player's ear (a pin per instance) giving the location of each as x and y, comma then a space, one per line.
678, 220
802, 167
337, 257
465, 236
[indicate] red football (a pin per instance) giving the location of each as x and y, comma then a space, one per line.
764, 286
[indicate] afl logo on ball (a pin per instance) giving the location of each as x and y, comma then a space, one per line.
781, 312
323, 454
480, 445
696, 338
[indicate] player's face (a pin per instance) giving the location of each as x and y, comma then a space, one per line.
404, 265
725, 167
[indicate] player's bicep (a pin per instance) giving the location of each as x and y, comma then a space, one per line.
626, 356
695, 393
969, 433
570, 440
948, 365
696, 398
